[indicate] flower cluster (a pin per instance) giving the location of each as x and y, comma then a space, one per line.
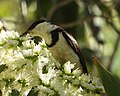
27, 69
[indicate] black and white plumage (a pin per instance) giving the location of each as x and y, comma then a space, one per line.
62, 45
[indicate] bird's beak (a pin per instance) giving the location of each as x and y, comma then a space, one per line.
24, 34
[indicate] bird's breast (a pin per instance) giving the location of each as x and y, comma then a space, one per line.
62, 52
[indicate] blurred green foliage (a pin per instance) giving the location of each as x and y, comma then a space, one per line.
112, 86
94, 23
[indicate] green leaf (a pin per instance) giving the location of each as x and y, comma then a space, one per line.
110, 82
14, 93
3, 67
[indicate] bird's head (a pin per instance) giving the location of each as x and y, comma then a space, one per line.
40, 28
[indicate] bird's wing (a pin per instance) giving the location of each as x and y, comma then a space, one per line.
74, 45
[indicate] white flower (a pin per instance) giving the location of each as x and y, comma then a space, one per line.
77, 72
11, 34
1, 25
32, 65
37, 49
76, 81
42, 43
19, 58
67, 67
73, 91
83, 77
28, 44
8, 36
42, 61
88, 86
58, 85
3, 53
28, 53
46, 90
3, 37
13, 42
9, 57
48, 76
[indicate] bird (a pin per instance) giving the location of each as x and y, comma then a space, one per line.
60, 43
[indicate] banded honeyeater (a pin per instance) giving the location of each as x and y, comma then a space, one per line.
62, 45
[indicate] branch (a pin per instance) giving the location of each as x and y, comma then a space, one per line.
116, 45
81, 21
113, 54
113, 26
72, 24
